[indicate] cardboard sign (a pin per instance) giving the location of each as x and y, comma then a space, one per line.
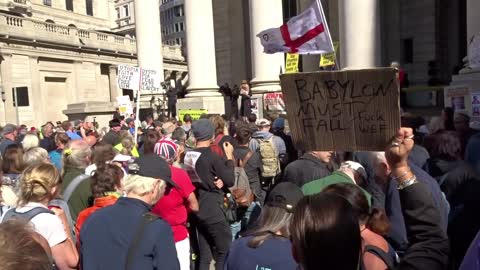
128, 77
355, 110
329, 59
195, 114
291, 63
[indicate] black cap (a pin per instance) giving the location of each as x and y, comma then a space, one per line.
154, 166
114, 123
285, 195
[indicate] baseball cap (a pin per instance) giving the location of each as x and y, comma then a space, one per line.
285, 195
154, 166
357, 167
263, 122
8, 128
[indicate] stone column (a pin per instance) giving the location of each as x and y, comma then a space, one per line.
112, 79
359, 33
149, 38
473, 23
202, 68
266, 67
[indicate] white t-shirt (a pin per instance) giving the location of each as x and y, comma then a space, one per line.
48, 225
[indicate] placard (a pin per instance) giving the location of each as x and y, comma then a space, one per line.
329, 59
459, 98
195, 114
354, 110
128, 77
150, 80
274, 102
125, 107
291, 63
476, 106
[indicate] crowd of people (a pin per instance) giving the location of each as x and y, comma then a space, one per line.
237, 194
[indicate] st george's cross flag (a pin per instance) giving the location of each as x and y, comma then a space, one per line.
306, 33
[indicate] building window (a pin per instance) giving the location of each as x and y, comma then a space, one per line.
182, 28
125, 10
47, 3
177, 41
89, 6
69, 5
21, 94
118, 12
289, 9
407, 50
177, 28
179, 11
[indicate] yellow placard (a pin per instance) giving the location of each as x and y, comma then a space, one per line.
195, 114
291, 63
328, 59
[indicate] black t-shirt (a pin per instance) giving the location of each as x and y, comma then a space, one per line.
208, 166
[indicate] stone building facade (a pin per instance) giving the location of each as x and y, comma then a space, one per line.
62, 63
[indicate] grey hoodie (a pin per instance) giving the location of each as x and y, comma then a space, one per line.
279, 144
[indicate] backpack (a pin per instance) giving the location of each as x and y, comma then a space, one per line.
216, 147
241, 191
271, 163
12, 213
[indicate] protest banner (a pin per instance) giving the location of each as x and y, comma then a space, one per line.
195, 114
291, 63
124, 105
150, 80
355, 110
329, 59
128, 77
274, 102
458, 97
476, 106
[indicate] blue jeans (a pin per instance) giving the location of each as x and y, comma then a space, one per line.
236, 227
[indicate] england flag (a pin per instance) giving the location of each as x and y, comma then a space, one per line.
306, 33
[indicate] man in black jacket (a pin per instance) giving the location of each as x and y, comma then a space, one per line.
311, 166
212, 175
172, 102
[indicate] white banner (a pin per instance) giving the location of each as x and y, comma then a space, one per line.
150, 80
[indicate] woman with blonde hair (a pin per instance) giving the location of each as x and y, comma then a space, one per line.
39, 185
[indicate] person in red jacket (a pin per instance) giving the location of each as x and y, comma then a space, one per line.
106, 189
174, 206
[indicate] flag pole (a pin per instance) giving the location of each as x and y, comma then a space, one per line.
320, 7
137, 113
